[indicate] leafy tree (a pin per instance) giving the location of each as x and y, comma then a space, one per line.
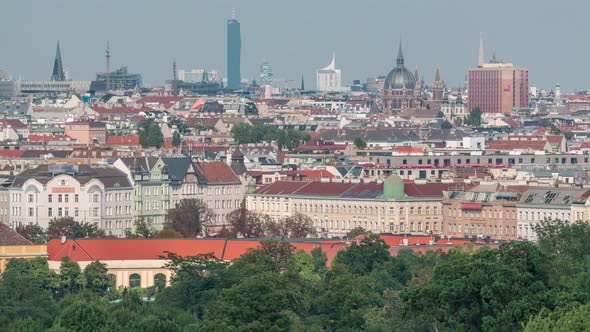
84, 312
474, 118
96, 278
143, 229
196, 281
189, 217
356, 232
288, 138
296, 226
362, 257
360, 143
176, 139
70, 279
266, 302
571, 319
440, 114
25, 293
155, 137
67, 226
33, 233
166, 233
246, 223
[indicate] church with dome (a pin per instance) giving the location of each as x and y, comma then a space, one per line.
401, 89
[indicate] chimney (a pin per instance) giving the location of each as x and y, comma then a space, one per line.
63, 239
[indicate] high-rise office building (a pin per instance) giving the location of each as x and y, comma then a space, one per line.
234, 47
497, 87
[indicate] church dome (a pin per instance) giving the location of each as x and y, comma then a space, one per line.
400, 77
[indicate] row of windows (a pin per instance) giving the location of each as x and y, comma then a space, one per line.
65, 198
118, 224
420, 226
477, 229
65, 212
118, 197
118, 210
135, 280
484, 213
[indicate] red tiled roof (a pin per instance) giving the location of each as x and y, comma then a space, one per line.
128, 249
315, 175
409, 149
48, 138
14, 123
434, 189
11, 153
217, 172
123, 140
280, 188
509, 145
119, 109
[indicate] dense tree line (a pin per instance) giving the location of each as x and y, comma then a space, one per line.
288, 138
518, 286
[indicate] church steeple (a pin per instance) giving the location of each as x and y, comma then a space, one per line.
400, 56
437, 87
58, 71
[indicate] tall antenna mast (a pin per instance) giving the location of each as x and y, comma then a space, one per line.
108, 73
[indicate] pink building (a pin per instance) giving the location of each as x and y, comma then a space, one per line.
497, 87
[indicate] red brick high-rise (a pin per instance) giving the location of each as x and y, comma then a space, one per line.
497, 87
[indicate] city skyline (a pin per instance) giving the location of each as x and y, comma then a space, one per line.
363, 35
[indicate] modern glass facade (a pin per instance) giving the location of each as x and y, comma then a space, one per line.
234, 46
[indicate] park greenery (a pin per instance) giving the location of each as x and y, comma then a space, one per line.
258, 133
517, 286
150, 134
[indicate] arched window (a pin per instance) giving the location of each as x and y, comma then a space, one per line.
134, 280
160, 280
112, 280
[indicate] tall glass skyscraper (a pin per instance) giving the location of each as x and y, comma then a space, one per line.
234, 46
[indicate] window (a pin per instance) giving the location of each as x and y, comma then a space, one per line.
59, 212
50, 212
50, 198
66, 211
76, 198
95, 212
66, 198
76, 212
160, 280
60, 198
95, 198
31, 212
31, 198
134, 280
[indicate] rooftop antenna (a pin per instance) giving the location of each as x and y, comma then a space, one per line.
233, 13
174, 74
481, 60
108, 73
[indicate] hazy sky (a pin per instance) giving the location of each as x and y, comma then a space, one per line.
298, 36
